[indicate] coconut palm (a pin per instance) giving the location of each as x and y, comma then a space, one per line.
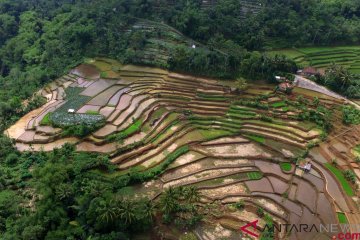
192, 194
148, 210
345, 78
168, 201
127, 211
107, 211
63, 191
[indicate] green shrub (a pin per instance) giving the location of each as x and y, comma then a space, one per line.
103, 74
268, 233
351, 115
285, 166
316, 101
240, 205
81, 130
260, 212
334, 162
266, 118
350, 176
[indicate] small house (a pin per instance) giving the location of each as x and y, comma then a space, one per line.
285, 87
310, 72
71, 110
306, 166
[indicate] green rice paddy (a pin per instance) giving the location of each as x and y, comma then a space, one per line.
340, 176
323, 57
342, 218
256, 138
254, 175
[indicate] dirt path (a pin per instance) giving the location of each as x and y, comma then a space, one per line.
302, 82
308, 84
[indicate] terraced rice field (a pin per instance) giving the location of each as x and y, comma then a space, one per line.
158, 46
323, 57
191, 131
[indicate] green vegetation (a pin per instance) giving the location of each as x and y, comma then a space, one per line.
350, 176
103, 74
213, 134
62, 177
64, 194
342, 64
46, 120
133, 128
269, 230
81, 130
141, 176
240, 205
319, 57
285, 166
255, 138
278, 104
179, 208
254, 175
356, 149
260, 212
92, 112
351, 115
342, 218
62, 118
321, 116
66, 179
340, 176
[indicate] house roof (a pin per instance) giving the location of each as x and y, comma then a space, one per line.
310, 70
285, 85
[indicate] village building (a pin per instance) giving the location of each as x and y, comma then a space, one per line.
305, 165
310, 72
285, 85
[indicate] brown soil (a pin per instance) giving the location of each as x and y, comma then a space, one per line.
86, 71
47, 146
19, 127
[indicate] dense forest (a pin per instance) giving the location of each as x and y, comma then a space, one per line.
42, 39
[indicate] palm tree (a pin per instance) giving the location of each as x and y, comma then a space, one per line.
127, 211
149, 210
346, 78
168, 201
63, 191
192, 194
107, 211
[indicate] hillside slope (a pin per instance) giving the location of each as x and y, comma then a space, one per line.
172, 130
